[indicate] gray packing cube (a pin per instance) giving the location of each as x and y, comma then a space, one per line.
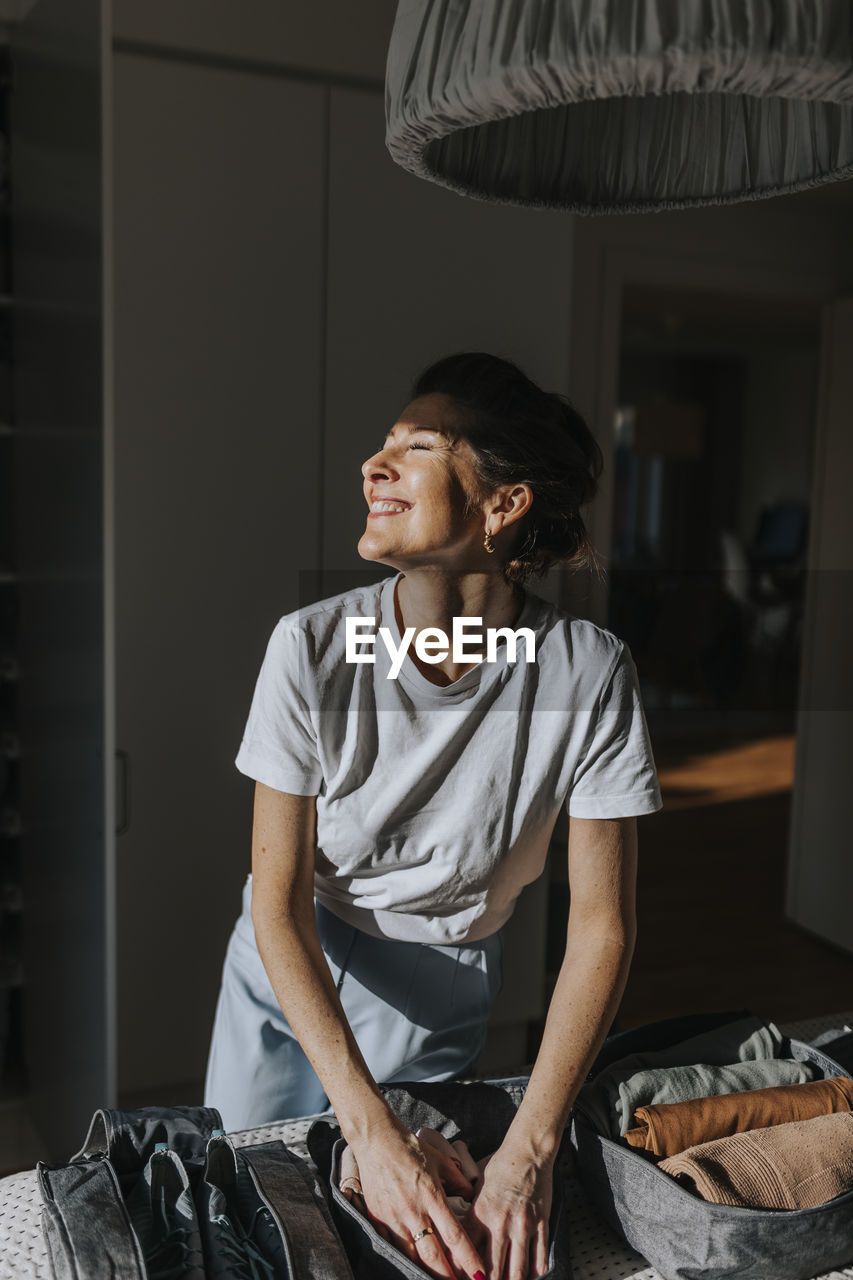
262, 1213
292, 1191
685, 1237
376, 1259
128, 1138
480, 1112
86, 1225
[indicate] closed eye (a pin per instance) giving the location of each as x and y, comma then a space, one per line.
389, 442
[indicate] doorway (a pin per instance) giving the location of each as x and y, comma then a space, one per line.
713, 443
714, 438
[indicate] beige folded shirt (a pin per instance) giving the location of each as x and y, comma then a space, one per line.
787, 1166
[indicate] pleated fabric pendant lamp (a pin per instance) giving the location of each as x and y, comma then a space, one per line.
604, 106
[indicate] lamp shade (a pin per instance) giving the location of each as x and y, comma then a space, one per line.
604, 106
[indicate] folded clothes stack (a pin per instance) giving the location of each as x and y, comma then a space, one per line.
757, 1132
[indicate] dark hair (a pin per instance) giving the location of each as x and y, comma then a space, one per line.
521, 434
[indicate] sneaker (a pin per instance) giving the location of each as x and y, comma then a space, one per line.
242, 1237
163, 1214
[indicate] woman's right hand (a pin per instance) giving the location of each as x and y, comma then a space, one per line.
405, 1183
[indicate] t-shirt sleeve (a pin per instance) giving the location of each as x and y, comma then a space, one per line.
279, 746
616, 776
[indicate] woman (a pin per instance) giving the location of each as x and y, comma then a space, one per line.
397, 819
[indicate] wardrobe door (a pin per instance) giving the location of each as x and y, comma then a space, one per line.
66, 842
219, 276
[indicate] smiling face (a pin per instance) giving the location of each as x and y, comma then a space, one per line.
416, 487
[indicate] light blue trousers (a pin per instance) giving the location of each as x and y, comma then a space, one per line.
418, 1012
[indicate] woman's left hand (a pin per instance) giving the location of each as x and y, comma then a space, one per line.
508, 1221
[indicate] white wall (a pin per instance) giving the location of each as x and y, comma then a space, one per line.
15, 10
341, 38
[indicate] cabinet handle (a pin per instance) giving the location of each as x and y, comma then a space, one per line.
122, 792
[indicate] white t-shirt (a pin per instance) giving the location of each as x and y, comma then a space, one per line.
436, 803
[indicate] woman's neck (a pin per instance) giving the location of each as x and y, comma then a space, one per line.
429, 598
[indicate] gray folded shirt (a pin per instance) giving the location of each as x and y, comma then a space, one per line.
609, 1100
680, 1084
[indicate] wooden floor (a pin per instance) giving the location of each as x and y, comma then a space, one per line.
712, 931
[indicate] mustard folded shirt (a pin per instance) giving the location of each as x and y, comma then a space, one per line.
665, 1129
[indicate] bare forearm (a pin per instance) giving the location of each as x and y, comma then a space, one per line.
303, 985
512, 1207
589, 987
401, 1188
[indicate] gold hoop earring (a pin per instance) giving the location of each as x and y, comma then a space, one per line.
488, 544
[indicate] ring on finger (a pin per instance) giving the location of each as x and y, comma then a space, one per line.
427, 1231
